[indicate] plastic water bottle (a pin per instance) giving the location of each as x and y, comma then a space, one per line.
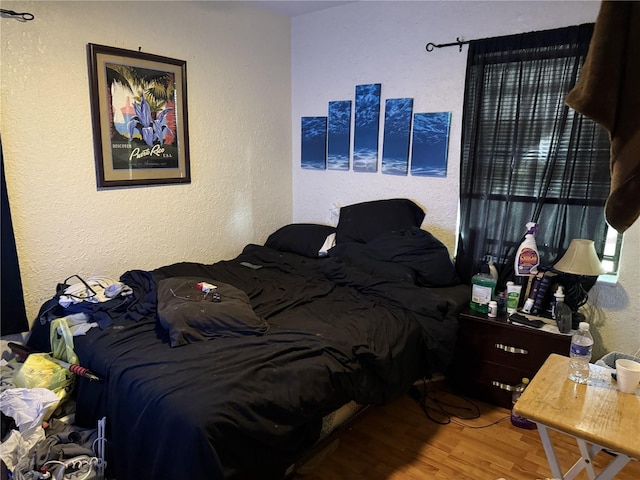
580, 353
517, 420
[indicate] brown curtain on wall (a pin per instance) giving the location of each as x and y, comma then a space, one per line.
609, 92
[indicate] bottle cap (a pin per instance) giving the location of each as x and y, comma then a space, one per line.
583, 326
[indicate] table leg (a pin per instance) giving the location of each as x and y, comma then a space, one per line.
550, 452
587, 451
613, 467
586, 461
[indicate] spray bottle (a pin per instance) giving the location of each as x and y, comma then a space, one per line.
527, 258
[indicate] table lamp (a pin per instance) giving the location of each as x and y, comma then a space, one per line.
580, 260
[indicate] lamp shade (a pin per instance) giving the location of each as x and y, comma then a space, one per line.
580, 259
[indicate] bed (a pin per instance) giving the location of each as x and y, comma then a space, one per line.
238, 388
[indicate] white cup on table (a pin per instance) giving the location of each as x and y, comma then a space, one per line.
627, 375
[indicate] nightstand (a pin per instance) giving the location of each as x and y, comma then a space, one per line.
492, 356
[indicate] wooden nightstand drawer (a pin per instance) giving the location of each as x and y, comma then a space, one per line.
495, 383
514, 346
492, 356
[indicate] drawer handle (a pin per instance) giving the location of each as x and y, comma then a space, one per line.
509, 349
503, 386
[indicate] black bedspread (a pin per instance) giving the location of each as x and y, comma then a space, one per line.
247, 406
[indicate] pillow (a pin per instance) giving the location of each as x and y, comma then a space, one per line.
306, 239
191, 316
420, 250
357, 255
362, 222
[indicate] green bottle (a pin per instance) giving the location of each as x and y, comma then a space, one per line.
483, 287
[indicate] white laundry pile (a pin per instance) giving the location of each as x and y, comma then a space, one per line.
27, 406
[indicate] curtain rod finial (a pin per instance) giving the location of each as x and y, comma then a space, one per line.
430, 46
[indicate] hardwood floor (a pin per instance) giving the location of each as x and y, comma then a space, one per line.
398, 441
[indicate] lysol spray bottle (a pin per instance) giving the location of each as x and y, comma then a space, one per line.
527, 258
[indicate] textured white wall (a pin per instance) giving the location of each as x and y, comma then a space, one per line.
384, 42
239, 94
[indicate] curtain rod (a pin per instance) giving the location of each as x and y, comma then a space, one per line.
459, 42
430, 46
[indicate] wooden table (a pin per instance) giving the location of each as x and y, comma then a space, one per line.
596, 414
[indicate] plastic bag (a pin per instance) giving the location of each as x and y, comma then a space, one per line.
62, 345
39, 371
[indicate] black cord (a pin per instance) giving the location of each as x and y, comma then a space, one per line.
447, 412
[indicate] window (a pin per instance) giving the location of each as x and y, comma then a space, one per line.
612, 248
526, 156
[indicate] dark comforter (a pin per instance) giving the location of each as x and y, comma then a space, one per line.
247, 406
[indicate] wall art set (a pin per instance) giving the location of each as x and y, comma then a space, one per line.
415, 143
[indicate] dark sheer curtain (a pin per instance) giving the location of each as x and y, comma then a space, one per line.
13, 316
525, 155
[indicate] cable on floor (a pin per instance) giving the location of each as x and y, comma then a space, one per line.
451, 409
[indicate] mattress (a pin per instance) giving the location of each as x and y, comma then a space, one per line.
249, 406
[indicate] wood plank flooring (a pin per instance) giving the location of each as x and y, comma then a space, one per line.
398, 441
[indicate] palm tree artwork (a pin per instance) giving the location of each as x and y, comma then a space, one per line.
142, 120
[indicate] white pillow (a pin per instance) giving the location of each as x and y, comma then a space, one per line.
329, 243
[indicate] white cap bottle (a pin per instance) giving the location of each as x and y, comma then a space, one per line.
558, 297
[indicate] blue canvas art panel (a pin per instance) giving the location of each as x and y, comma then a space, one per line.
367, 127
430, 144
339, 135
314, 143
397, 133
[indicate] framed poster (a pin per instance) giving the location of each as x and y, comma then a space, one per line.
139, 114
